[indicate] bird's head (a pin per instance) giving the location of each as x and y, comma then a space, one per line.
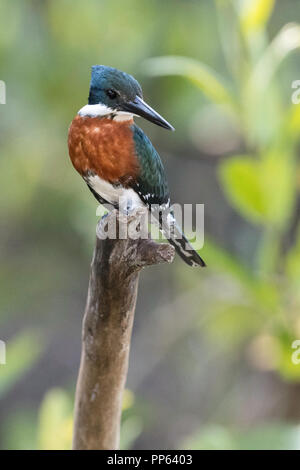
120, 93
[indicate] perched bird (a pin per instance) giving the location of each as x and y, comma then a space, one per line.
116, 158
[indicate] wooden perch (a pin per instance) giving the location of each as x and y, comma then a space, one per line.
106, 333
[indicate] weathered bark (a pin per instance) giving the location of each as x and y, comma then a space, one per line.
106, 334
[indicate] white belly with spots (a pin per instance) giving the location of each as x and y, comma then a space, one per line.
125, 199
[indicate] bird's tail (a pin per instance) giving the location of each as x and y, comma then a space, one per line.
183, 248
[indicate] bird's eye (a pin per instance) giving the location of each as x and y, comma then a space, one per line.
111, 93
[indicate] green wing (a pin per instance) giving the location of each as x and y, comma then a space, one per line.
151, 184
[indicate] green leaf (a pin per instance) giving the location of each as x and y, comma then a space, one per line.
292, 124
254, 14
198, 73
55, 421
241, 183
285, 365
278, 185
263, 108
286, 41
261, 190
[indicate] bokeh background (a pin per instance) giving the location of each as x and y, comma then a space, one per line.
211, 359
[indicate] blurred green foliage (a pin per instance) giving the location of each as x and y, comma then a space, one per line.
55, 422
241, 113
51, 428
262, 184
22, 352
268, 437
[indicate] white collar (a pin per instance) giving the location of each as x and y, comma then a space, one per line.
94, 110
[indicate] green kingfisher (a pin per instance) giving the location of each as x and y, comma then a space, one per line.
114, 156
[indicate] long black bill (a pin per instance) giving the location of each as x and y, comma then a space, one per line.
140, 108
